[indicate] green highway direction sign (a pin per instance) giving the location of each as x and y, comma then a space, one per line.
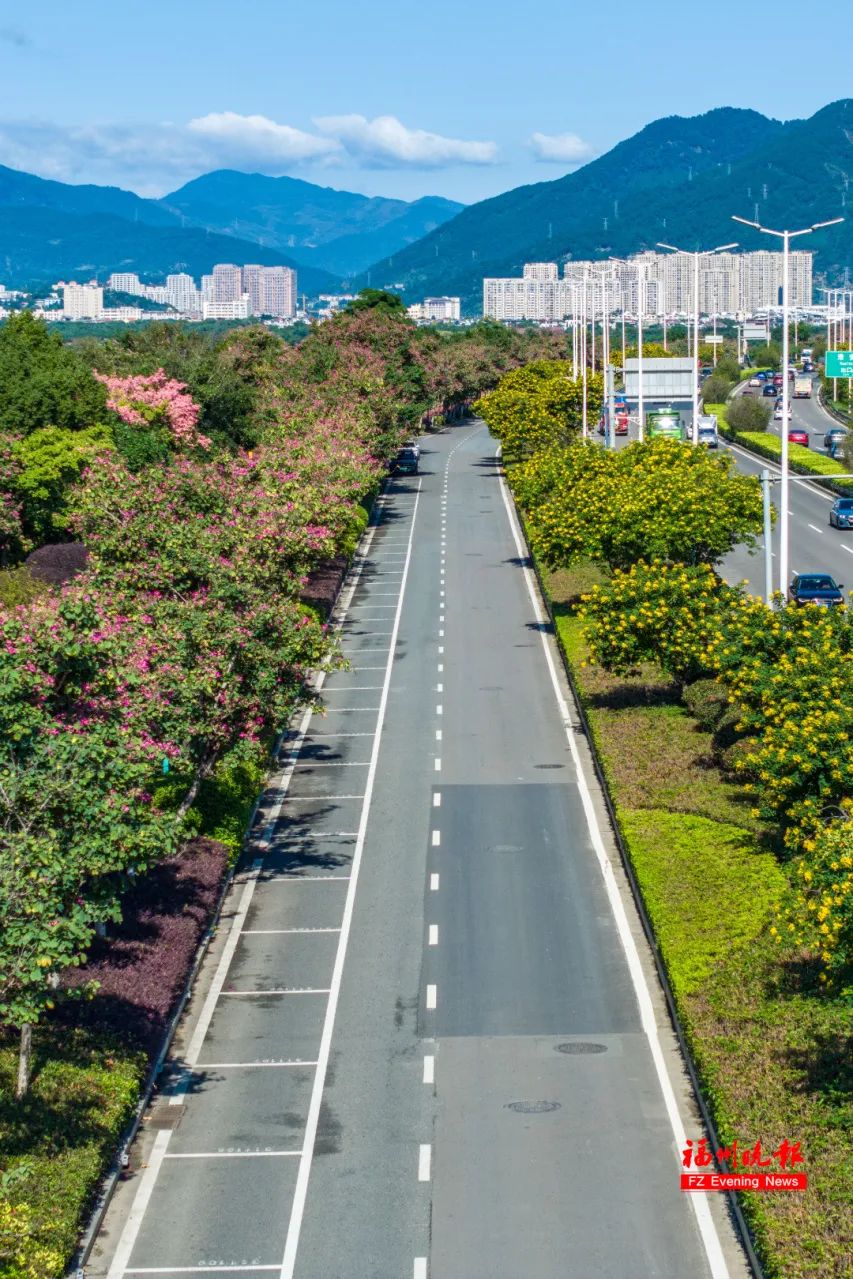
839, 364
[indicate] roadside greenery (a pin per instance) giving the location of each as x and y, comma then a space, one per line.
771, 1045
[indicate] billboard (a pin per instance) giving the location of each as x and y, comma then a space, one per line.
663, 379
755, 333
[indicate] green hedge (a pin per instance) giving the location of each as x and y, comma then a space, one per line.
802, 461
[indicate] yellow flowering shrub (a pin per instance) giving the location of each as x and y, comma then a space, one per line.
788, 674
658, 500
21, 1255
666, 613
817, 914
539, 406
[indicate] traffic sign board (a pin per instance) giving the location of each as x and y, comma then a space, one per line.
839, 364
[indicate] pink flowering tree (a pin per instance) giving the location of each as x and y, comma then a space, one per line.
153, 398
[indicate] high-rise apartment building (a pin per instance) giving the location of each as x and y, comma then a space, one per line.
182, 293
659, 284
125, 282
277, 292
540, 271
226, 282
82, 301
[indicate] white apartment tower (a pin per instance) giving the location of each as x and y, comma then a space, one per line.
82, 301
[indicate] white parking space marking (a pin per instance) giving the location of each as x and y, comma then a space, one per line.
255, 1065
192, 1270
285, 932
139, 1206
424, 1163
279, 990
238, 1154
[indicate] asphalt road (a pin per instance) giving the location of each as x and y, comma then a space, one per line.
427, 1041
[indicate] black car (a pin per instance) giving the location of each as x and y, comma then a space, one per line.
841, 513
769, 389
815, 588
406, 462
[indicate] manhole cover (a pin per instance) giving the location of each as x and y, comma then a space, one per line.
580, 1048
532, 1107
164, 1117
549, 766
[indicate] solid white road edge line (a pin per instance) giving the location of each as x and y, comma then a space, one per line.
704, 1220
300, 1193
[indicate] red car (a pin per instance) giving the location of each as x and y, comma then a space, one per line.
621, 425
796, 436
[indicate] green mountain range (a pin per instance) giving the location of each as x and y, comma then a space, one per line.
679, 180
338, 231
50, 230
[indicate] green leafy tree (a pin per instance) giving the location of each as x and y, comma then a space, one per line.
42, 382
768, 356
746, 413
51, 460
377, 300
715, 389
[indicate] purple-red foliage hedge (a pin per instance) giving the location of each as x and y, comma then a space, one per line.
141, 967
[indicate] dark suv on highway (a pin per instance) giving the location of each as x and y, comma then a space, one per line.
815, 588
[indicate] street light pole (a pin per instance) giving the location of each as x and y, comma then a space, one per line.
695, 255
784, 525
641, 408
584, 422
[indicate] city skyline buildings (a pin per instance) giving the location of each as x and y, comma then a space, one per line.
658, 284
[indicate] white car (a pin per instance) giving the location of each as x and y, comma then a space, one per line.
777, 414
755, 381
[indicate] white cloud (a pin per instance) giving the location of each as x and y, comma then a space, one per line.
560, 148
385, 142
154, 158
245, 136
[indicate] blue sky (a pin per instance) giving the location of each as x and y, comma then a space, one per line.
463, 98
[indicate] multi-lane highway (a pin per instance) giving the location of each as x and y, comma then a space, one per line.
814, 546
428, 1039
